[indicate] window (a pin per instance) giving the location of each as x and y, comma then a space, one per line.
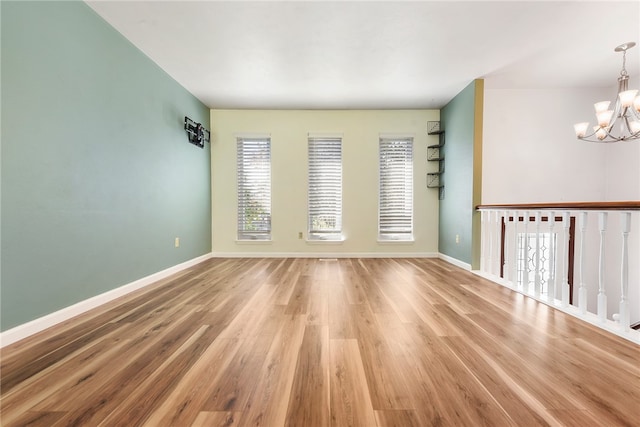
325, 188
395, 210
254, 188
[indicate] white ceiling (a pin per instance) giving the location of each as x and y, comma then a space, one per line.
376, 54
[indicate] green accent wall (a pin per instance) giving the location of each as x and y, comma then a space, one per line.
98, 178
461, 120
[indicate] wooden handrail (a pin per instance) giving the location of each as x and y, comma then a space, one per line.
629, 205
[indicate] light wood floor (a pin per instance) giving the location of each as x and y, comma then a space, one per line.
307, 342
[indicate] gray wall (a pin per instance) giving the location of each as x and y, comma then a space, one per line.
97, 175
461, 119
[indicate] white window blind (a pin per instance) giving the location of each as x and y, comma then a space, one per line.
325, 188
395, 211
254, 188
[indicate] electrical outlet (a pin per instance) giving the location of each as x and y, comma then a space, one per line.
457, 239
177, 242
300, 235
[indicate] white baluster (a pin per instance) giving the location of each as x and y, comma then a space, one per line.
537, 279
551, 283
504, 241
582, 290
483, 240
602, 297
525, 271
496, 247
514, 263
624, 272
566, 221
487, 267
490, 258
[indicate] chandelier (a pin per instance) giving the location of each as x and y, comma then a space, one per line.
622, 123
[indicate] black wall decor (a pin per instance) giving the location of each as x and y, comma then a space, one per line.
196, 133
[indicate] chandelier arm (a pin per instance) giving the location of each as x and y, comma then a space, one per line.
600, 141
633, 117
609, 135
591, 135
618, 112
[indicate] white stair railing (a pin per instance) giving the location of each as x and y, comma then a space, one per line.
542, 251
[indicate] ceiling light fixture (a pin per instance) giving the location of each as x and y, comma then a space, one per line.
622, 123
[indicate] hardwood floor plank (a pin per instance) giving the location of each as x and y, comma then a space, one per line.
461, 398
399, 300
621, 362
18, 372
352, 282
328, 269
268, 402
217, 419
374, 296
608, 407
52, 385
280, 269
396, 418
576, 418
342, 315
231, 391
35, 419
285, 287
525, 378
384, 380
577, 397
184, 403
446, 321
130, 355
309, 400
111, 391
316, 342
424, 391
300, 298
517, 408
143, 400
318, 313
248, 312
350, 401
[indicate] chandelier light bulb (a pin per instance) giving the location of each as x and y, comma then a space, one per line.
636, 103
601, 106
604, 118
600, 132
627, 97
581, 129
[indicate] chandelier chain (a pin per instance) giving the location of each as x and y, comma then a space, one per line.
623, 72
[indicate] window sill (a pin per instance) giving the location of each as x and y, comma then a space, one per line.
325, 242
253, 242
396, 242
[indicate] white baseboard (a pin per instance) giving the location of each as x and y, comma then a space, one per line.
455, 261
324, 255
26, 329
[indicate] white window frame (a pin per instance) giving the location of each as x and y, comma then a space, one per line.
324, 175
395, 187
253, 176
